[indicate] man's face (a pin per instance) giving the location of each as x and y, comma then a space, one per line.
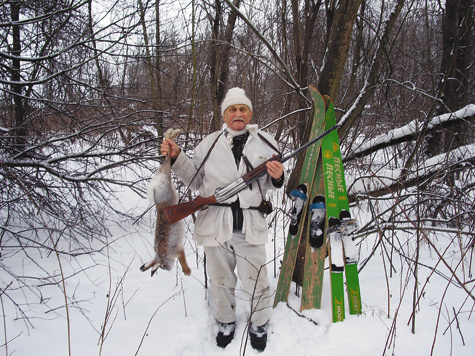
237, 116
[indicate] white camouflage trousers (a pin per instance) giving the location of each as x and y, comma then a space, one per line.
250, 260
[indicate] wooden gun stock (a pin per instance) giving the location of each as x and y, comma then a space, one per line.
180, 211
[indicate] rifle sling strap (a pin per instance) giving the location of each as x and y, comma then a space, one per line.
268, 143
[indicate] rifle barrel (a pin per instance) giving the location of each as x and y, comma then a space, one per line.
309, 143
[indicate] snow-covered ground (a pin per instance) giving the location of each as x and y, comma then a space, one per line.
168, 314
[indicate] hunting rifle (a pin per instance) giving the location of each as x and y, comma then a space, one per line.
177, 212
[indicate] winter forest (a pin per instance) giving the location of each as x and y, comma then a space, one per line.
89, 87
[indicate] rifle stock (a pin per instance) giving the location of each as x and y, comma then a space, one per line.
180, 211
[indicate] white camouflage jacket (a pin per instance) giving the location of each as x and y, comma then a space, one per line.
214, 224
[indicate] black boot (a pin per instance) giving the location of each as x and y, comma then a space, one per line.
258, 337
225, 334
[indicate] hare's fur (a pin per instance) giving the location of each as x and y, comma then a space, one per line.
169, 238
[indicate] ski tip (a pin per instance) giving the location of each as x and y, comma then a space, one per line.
337, 269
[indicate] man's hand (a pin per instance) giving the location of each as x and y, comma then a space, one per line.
275, 169
169, 147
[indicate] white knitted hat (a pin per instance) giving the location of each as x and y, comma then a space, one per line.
235, 96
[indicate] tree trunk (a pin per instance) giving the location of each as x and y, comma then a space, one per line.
214, 66
191, 119
374, 72
357, 51
226, 52
158, 60
457, 30
20, 132
341, 15
155, 90
302, 43
220, 59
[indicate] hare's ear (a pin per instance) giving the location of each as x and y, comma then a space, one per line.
154, 270
146, 266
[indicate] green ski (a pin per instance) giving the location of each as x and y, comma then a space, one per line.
307, 177
340, 226
316, 243
334, 226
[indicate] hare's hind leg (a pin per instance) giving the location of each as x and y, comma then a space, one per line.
183, 263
